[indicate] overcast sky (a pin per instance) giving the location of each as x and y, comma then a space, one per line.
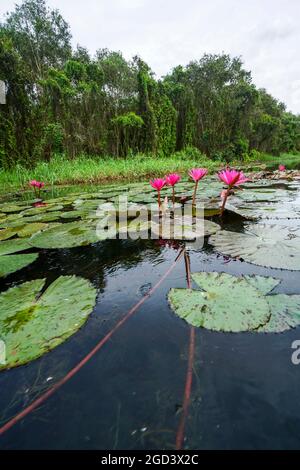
166, 33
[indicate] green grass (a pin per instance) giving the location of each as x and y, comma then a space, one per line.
290, 160
60, 171
91, 170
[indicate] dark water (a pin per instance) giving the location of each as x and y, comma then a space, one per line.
245, 391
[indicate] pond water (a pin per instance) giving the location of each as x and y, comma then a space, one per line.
245, 389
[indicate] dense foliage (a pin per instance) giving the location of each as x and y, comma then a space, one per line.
61, 100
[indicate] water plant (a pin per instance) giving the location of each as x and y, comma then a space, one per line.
251, 305
172, 179
37, 186
34, 321
231, 178
197, 174
158, 184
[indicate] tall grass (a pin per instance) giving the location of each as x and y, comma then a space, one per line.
97, 170
94, 170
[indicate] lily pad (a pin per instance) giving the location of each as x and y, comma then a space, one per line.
30, 229
11, 263
66, 235
285, 313
264, 284
33, 323
283, 210
226, 303
7, 233
74, 214
13, 246
13, 207
44, 217
275, 246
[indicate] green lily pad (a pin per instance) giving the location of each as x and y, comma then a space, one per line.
13, 246
275, 246
75, 214
33, 323
66, 235
44, 217
264, 284
30, 229
7, 233
285, 313
11, 263
34, 211
226, 303
277, 210
13, 207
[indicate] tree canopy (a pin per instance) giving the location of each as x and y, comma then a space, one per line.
61, 100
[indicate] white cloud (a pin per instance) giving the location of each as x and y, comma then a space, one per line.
166, 33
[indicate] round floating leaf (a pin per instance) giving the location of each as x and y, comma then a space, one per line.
226, 303
275, 246
32, 323
285, 313
66, 235
44, 217
7, 233
74, 214
182, 228
34, 211
262, 195
30, 229
13, 207
11, 263
264, 284
13, 246
276, 210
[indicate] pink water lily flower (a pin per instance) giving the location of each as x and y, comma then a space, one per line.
231, 178
37, 185
197, 174
158, 184
281, 168
172, 179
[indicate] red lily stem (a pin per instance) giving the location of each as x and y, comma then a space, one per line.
173, 195
42, 398
187, 262
224, 201
189, 374
158, 198
195, 190
187, 391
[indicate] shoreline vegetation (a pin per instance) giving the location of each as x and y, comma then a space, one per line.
61, 100
95, 170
